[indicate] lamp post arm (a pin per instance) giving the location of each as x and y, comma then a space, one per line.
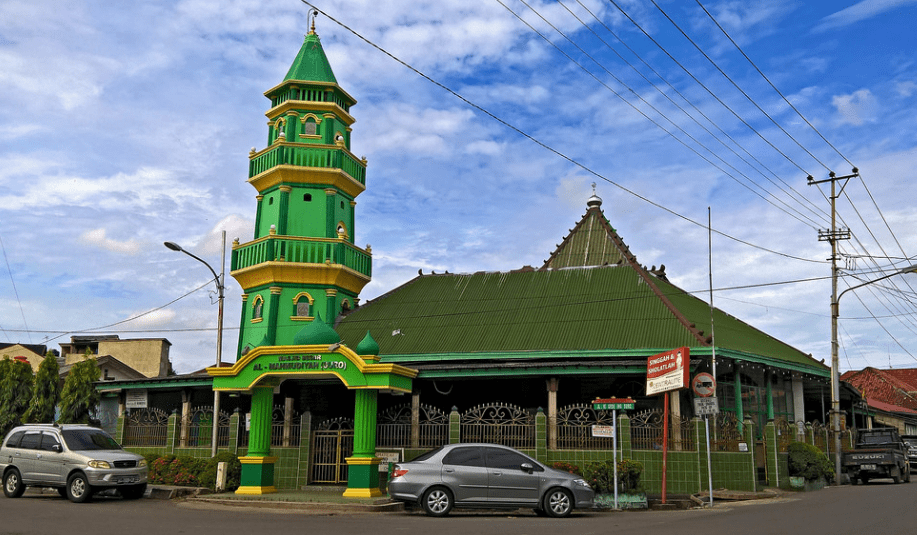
909, 269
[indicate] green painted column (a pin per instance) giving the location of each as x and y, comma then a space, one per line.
740, 411
273, 310
770, 395
284, 210
363, 466
259, 198
258, 466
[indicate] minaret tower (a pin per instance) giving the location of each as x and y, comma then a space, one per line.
302, 262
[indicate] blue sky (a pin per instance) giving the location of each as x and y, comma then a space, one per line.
127, 124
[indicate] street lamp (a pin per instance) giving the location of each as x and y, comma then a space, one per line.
218, 279
835, 377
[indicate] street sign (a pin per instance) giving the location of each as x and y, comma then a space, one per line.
603, 431
667, 371
614, 404
703, 385
706, 406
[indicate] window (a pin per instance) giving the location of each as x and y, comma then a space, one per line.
472, 456
13, 442
507, 460
309, 128
307, 197
48, 441
31, 440
89, 439
257, 308
302, 305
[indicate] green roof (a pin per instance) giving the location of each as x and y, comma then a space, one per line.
591, 297
311, 64
586, 309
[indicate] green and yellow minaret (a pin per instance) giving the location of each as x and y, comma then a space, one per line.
302, 262
302, 266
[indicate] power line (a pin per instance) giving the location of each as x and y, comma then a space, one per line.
544, 145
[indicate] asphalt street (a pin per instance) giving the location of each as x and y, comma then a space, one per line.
878, 508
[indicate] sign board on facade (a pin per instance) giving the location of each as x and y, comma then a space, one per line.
613, 404
389, 457
136, 399
667, 371
706, 406
703, 385
606, 431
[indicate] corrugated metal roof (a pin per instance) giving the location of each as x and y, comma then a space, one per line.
601, 308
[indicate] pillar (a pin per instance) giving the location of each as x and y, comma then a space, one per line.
415, 419
258, 466
363, 466
799, 408
553, 383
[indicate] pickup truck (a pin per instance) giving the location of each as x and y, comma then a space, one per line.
879, 453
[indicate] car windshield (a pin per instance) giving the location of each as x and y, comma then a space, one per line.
89, 439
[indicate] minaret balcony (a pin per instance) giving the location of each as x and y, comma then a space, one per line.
295, 250
299, 155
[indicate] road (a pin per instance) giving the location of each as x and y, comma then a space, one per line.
877, 509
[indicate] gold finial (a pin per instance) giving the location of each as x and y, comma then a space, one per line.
314, 14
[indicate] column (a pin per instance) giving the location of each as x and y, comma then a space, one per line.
415, 419
553, 383
258, 466
273, 310
258, 198
363, 467
284, 210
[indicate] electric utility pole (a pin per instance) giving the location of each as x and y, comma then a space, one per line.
833, 236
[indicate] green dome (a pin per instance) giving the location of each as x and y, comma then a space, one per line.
368, 346
316, 333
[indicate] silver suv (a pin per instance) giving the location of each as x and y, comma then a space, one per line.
77, 460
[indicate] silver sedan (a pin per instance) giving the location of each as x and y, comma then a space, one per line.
487, 476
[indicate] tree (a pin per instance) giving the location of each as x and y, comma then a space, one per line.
15, 393
46, 392
79, 398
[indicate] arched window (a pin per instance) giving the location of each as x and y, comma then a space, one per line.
258, 308
302, 306
310, 128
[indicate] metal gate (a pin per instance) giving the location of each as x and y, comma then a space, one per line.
332, 443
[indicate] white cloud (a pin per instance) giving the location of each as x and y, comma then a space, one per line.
858, 12
98, 238
856, 108
905, 89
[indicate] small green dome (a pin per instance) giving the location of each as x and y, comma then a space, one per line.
368, 346
316, 333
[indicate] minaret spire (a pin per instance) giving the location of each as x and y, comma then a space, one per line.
314, 15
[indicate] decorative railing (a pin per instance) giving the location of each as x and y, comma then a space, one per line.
499, 423
393, 427
646, 431
786, 433
197, 428
726, 434
304, 251
307, 156
574, 428
285, 431
146, 427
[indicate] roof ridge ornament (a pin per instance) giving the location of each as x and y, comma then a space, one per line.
595, 201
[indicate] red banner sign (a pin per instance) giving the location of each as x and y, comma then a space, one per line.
667, 371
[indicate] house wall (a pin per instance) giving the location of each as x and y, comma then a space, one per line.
17, 350
148, 356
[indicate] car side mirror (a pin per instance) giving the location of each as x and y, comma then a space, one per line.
56, 448
526, 467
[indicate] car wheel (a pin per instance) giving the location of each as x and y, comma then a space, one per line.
78, 489
133, 492
437, 501
864, 479
12, 484
558, 503
896, 476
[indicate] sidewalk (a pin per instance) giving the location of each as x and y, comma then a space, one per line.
330, 499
